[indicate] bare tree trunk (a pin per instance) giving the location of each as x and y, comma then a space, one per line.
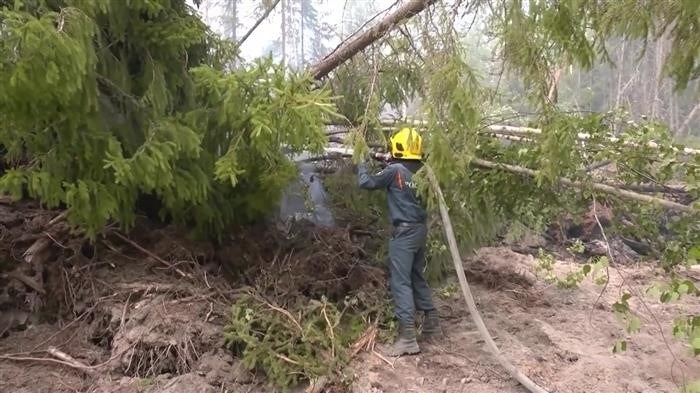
676, 111
671, 113
358, 43
232, 17
658, 63
302, 12
620, 72
257, 23
284, 31
687, 121
553, 91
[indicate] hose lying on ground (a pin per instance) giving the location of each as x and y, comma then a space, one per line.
476, 317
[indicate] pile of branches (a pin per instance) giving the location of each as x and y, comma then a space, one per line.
312, 295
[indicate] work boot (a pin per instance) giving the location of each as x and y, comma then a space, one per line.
406, 343
431, 325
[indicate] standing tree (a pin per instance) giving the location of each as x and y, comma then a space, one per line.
230, 19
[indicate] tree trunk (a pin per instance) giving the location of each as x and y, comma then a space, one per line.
687, 120
553, 91
620, 72
257, 23
658, 63
232, 11
302, 10
356, 44
666, 204
284, 31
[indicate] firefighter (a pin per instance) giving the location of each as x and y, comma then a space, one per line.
407, 247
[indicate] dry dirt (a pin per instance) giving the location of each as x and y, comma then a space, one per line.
148, 332
561, 339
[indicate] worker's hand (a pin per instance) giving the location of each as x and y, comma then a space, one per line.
380, 156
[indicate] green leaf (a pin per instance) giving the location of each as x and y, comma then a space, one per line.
620, 307
696, 346
586, 269
694, 255
620, 347
634, 324
666, 297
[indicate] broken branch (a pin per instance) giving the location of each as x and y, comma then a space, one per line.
69, 360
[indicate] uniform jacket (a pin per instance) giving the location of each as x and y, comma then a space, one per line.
396, 178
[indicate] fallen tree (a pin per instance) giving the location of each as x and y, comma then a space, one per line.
528, 134
606, 188
356, 44
633, 196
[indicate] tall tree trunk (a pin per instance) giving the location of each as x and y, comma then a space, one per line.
620, 72
658, 63
687, 120
302, 12
232, 18
553, 90
284, 31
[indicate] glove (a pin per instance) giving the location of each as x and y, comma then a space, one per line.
380, 156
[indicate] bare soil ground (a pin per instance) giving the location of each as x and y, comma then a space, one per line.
562, 339
137, 327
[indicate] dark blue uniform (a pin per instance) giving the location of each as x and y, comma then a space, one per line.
407, 246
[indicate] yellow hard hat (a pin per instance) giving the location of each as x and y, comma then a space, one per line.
407, 144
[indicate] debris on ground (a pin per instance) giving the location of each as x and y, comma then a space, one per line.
155, 312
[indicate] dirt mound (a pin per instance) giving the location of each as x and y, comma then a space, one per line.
148, 313
498, 267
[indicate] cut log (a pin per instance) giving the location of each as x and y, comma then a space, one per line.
356, 44
37, 252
